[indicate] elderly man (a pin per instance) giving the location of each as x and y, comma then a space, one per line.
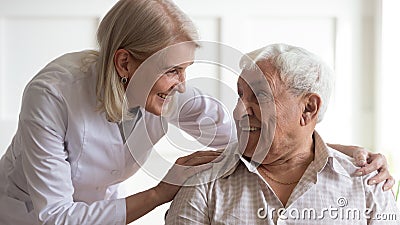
292, 176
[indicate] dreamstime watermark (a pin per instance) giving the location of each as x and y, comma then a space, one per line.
338, 212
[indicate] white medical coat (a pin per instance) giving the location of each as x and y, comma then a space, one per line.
66, 160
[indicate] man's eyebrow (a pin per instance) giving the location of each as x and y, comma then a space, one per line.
259, 83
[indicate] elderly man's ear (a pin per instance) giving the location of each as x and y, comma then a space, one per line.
312, 104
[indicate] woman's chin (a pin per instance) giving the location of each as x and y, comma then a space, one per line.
160, 107
153, 110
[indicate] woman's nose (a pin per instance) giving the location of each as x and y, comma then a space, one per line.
178, 83
180, 87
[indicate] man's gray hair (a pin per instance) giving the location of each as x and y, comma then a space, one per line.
302, 71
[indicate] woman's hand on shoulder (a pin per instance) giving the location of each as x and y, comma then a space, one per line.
184, 168
370, 162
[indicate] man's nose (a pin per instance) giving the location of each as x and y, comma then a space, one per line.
243, 109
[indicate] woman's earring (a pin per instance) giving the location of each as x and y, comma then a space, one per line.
124, 80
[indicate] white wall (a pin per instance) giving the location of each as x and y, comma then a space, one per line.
388, 80
31, 34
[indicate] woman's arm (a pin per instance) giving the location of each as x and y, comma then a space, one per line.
46, 166
48, 171
368, 162
140, 204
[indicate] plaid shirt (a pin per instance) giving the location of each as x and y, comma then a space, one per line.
328, 193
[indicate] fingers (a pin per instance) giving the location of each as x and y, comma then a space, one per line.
198, 158
202, 160
184, 159
360, 156
197, 169
178, 174
382, 175
377, 163
388, 184
189, 165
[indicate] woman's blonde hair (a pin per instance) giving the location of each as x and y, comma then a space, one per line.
141, 27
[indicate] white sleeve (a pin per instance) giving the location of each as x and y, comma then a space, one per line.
204, 118
43, 122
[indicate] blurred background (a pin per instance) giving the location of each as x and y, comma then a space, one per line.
358, 38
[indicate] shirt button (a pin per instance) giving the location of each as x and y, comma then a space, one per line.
115, 172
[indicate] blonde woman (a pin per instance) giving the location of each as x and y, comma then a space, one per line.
69, 153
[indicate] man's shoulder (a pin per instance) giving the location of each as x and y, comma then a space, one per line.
342, 158
221, 173
218, 171
343, 163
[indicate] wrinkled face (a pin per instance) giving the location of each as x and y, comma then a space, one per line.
254, 114
267, 114
165, 87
